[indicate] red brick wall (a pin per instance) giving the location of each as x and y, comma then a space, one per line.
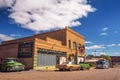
11, 50
8, 51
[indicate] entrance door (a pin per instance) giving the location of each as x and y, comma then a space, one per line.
62, 60
80, 59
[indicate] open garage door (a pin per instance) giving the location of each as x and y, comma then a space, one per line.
80, 59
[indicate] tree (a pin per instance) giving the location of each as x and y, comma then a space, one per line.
90, 56
107, 57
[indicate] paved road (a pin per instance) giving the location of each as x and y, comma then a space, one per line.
93, 74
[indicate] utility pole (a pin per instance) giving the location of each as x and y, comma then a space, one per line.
94, 53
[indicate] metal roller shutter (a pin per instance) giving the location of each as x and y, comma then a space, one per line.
45, 59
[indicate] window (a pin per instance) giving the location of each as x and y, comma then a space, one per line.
69, 43
25, 50
79, 46
74, 45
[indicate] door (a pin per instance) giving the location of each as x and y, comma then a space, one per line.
46, 59
80, 59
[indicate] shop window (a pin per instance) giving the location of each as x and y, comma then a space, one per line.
69, 43
25, 50
74, 45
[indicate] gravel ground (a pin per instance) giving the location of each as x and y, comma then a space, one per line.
92, 74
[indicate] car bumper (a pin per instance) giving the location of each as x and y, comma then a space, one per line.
13, 68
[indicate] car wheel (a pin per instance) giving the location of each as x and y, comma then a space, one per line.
7, 69
107, 67
3, 70
82, 68
61, 69
19, 70
88, 68
70, 69
79, 68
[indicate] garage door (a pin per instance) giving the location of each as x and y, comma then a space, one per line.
46, 59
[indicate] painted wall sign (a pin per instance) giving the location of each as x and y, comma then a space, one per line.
25, 50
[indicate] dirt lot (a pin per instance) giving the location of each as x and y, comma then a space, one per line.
93, 74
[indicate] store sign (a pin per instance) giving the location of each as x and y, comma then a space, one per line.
81, 49
25, 50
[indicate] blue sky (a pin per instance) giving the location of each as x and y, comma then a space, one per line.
99, 22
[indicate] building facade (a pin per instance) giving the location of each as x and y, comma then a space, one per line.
44, 51
115, 60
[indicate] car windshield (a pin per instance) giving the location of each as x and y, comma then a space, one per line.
67, 62
99, 62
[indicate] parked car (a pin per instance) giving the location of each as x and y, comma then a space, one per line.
0, 67
68, 66
11, 64
84, 66
103, 64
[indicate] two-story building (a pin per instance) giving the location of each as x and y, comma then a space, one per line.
45, 50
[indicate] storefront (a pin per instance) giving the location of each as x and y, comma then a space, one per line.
44, 51
49, 57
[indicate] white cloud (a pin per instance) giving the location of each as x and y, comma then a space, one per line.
102, 53
38, 15
94, 53
5, 37
88, 42
15, 35
97, 53
104, 29
118, 44
95, 47
116, 53
6, 3
111, 45
103, 34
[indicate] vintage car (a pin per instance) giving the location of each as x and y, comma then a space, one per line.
102, 64
68, 66
0, 67
11, 64
84, 66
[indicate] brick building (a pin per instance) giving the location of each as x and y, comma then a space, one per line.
115, 61
44, 51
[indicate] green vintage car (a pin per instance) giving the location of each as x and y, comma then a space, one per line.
84, 66
11, 64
